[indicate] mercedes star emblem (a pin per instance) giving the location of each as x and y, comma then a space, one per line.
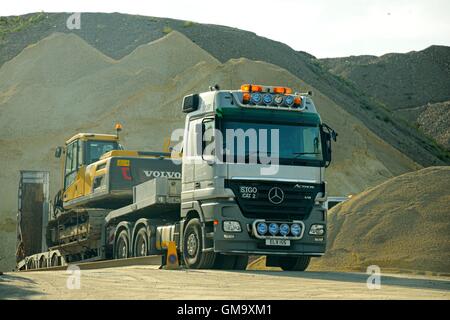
276, 195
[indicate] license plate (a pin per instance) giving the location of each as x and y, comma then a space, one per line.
278, 242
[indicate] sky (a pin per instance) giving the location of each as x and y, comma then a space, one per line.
321, 28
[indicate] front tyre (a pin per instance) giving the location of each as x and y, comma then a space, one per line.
193, 255
294, 263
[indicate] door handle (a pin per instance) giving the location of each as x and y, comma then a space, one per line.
197, 185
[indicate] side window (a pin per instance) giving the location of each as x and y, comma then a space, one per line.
69, 158
208, 146
71, 164
80, 153
311, 140
193, 137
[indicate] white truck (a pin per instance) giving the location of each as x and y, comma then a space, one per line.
252, 165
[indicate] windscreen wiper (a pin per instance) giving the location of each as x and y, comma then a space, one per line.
297, 154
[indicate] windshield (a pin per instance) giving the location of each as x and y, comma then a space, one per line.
297, 144
95, 149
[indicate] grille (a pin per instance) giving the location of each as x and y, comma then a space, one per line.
253, 199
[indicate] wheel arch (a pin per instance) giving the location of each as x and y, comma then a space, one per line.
195, 211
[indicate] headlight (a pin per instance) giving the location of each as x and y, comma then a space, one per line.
317, 230
256, 98
232, 226
278, 99
284, 229
261, 228
267, 99
296, 230
289, 101
273, 228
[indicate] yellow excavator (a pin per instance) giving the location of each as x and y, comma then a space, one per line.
98, 173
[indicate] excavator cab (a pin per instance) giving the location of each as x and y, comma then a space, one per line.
80, 151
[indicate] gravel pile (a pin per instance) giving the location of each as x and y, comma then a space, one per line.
404, 223
61, 86
435, 122
117, 35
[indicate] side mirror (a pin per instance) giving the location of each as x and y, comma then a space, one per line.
334, 135
327, 133
326, 142
191, 103
58, 152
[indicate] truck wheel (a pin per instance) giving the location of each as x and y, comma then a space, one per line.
193, 256
141, 243
294, 263
241, 263
122, 250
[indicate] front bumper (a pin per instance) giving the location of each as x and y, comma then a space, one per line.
245, 242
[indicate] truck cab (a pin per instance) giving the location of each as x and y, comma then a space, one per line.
253, 177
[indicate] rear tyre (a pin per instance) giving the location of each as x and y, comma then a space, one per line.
193, 255
294, 263
122, 250
141, 243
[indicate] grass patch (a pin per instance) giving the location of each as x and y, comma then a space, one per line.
167, 29
10, 25
188, 24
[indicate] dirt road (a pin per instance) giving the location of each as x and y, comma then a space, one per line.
147, 282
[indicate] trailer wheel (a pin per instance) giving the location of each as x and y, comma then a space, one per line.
141, 243
54, 262
193, 255
122, 250
42, 262
31, 264
294, 263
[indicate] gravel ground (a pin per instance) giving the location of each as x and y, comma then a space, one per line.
145, 282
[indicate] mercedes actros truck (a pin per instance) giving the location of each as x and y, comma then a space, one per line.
246, 178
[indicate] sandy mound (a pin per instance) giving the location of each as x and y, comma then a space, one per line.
399, 80
169, 55
90, 92
404, 223
53, 61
